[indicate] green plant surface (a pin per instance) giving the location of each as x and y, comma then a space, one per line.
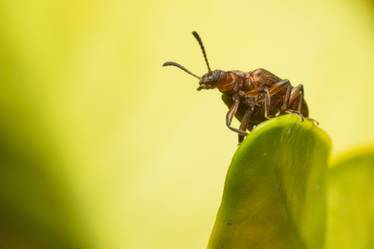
351, 201
274, 193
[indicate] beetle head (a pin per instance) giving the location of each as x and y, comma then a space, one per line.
208, 80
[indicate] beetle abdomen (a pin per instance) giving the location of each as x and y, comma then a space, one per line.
263, 78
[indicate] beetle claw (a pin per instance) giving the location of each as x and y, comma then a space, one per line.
297, 113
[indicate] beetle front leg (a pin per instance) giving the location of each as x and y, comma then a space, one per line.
244, 124
230, 115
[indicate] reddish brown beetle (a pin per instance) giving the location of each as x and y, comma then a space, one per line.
252, 97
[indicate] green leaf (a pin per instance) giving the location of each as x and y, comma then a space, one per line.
274, 194
351, 201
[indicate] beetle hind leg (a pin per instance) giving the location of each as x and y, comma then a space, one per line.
278, 87
297, 113
256, 92
297, 98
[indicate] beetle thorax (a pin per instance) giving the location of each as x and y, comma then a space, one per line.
232, 82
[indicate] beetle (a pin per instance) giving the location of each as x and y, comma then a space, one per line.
252, 97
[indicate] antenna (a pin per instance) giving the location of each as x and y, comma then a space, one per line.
170, 63
196, 35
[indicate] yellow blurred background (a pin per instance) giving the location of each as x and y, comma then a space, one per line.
139, 152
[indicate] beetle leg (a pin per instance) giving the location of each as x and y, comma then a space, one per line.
267, 102
229, 116
297, 93
244, 124
302, 117
297, 113
276, 88
255, 92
